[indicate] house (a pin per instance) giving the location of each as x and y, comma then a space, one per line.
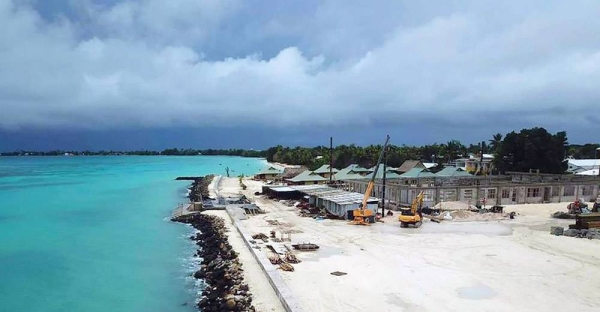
307, 177
407, 165
472, 163
360, 170
449, 172
268, 173
591, 172
325, 171
389, 174
292, 171
416, 173
352, 172
429, 165
580, 165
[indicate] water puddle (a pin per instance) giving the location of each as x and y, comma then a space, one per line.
478, 292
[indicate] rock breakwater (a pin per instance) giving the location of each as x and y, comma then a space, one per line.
199, 188
220, 267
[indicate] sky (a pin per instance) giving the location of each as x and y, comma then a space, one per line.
135, 74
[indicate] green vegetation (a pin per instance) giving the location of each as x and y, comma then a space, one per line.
529, 149
533, 148
167, 152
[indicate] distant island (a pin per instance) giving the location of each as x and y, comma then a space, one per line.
166, 152
517, 151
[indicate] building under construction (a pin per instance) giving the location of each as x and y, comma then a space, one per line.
513, 188
336, 201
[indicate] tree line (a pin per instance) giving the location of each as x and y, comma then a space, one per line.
165, 152
529, 149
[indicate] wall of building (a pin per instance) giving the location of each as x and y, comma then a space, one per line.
502, 194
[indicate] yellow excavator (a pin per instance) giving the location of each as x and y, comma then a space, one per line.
363, 215
413, 214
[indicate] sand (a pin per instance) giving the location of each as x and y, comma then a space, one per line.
505, 265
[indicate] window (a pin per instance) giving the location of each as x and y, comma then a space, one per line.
533, 192
569, 190
505, 193
468, 194
555, 190
491, 194
428, 195
587, 190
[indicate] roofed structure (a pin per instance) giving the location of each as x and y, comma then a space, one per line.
417, 173
269, 170
307, 177
580, 165
407, 165
429, 165
352, 172
453, 172
269, 173
325, 170
290, 172
389, 174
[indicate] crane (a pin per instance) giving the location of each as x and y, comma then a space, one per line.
412, 215
362, 214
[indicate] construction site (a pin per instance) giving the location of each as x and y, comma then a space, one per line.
334, 249
466, 263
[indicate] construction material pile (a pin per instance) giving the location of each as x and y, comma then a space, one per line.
465, 215
563, 215
290, 257
261, 236
454, 205
580, 233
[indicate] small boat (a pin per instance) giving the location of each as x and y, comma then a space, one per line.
306, 246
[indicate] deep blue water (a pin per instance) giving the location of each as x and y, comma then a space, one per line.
92, 233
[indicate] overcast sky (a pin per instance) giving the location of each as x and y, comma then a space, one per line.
156, 73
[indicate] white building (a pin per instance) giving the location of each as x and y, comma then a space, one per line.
581, 165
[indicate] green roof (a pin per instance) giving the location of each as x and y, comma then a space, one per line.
307, 176
349, 173
389, 174
417, 173
270, 170
453, 172
325, 169
359, 169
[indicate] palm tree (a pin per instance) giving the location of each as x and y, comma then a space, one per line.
453, 149
495, 142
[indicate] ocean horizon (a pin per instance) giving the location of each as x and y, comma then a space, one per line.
93, 233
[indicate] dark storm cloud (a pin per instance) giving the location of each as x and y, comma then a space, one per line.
101, 65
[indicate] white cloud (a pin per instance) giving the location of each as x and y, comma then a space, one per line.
141, 64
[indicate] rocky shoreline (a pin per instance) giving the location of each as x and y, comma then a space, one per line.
199, 188
220, 267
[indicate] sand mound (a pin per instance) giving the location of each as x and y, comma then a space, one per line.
464, 215
454, 205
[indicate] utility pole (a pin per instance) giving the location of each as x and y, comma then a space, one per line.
595, 152
383, 186
330, 160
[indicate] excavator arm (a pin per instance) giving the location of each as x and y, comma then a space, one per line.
417, 203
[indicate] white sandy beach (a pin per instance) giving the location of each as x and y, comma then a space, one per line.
509, 265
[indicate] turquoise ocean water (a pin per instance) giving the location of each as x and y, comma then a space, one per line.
92, 233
